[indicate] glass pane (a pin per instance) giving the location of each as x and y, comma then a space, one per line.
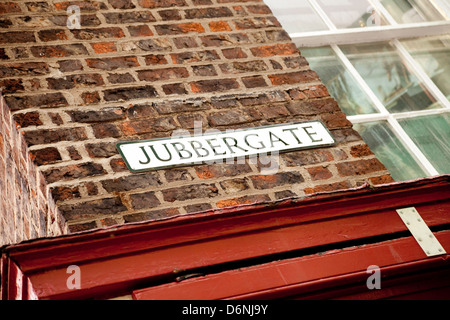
433, 54
390, 151
339, 82
296, 15
351, 13
411, 11
432, 135
389, 78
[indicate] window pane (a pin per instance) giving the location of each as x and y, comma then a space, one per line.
433, 54
296, 15
389, 78
432, 135
390, 151
339, 82
411, 11
351, 13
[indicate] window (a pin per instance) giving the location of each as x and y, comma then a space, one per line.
387, 63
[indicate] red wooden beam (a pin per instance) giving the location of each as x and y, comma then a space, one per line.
306, 274
122, 258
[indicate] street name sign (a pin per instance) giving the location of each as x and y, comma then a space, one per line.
216, 147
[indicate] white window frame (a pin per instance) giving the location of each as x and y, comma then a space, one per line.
393, 33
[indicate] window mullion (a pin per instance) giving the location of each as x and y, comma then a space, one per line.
355, 74
422, 160
384, 13
318, 9
421, 74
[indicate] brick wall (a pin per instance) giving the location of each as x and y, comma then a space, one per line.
140, 69
27, 209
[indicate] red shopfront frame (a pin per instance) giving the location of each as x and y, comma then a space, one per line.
318, 247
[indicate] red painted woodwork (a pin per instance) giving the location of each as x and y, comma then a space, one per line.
138, 257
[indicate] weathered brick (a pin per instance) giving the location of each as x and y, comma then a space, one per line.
185, 42
219, 26
52, 35
79, 227
191, 192
113, 63
205, 70
90, 97
46, 156
89, 5
76, 80
293, 77
361, 150
229, 39
59, 50
24, 69
174, 89
144, 200
208, 13
195, 56
306, 157
214, 85
65, 193
335, 120
92, 209
243, 66
161, 3
155, 59
101, 149
256, 23
198, 207
328, 187
124, 94
359, 167
148, 126
231, 117
177, 106
162, 74
262, 182
129, 17
50, 100
187, 121
28, 119
120, 78
104, 47
174, 29
45, 136
161, 44
17, 37
9, 7
313, 107
106, 130
70, 65
234, 186
222, 170
254, 82
140, 31
151, 215
319, 173
122, 4
11, 86
99, 33
245, 200
384, 179
75, 171
274, 50
170, 15
177, 174
105, 114
234, 53
132, 182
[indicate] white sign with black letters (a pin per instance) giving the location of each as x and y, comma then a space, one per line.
215, 147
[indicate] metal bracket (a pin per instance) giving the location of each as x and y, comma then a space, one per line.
421, 232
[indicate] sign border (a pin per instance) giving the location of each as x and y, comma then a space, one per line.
213, 133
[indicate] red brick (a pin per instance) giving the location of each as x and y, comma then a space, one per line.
128, 17
9, 7
113, 63
148, 126
27, 119
140, 31
162, 74
319, 173
219, 26
84, 5
254, 82
361, 150
222, 170
122, 4
256, 23
92, 209
161, 3
125, 94
50, 100
45, 136
329, 187
11, 86
214, 85
46, 156
262, 182
104, 47
65, 193
58, 51
196, 56
90, 97
359, 167
98, 33
306, 157
243, 201
191, 192
274, 50
155, 59
151, 215
53, 35
293, 77
208, 13
174, 29
170, 15
17, 37
75, 171
234, 53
